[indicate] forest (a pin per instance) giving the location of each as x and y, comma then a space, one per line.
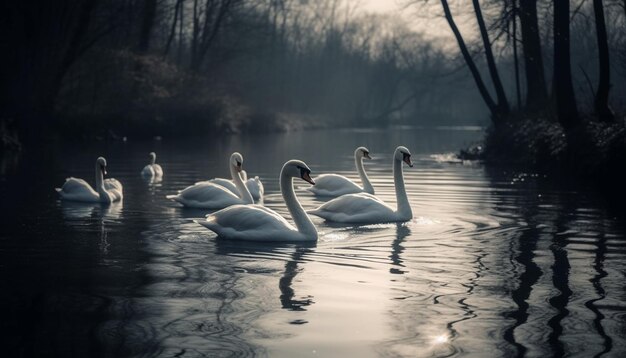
146, 67
545, 77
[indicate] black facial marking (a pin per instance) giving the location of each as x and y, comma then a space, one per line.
303, 171
238, 163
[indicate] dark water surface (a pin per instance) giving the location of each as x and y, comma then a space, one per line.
494, 263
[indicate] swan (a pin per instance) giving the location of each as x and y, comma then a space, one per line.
152, 170
207, 195
366, 208
107, 191
258, 223
254, 185
337, 185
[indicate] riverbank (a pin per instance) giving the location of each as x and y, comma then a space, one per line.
593, 154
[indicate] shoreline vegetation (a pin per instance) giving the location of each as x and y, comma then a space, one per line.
550, 75
559, 126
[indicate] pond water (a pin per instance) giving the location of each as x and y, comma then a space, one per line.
494, 263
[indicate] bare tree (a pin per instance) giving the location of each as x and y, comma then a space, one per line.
563, 87
601, 103
147, 23
207, 23
496, 114
503, 104
177, 11
536, 93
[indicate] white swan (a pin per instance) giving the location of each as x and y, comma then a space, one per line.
207, 195
254, 185
366, 208
337, 185
258, 223
106, 191
152, 170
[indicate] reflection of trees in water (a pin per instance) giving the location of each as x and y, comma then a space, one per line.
527, 244
560, 275
598, 266
556, 222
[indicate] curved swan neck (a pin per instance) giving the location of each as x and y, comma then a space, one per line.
367, 186
244, 193
153, 159
301, 219
104, 195
404, 208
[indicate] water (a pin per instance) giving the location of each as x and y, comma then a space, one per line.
494, 263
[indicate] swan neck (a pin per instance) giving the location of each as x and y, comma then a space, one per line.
301, 219
152, 159
367, 186
244, 193
404, 208
104, 195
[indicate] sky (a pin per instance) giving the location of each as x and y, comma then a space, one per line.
427, 19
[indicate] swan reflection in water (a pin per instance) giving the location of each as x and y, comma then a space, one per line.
293, 266
92, 217
75, 212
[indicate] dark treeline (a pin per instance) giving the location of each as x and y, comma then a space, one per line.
149, 67
568, 52
565, 107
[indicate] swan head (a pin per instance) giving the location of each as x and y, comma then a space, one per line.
403, 154
236, 160
101, 163
152, 157
362, 152
298, 169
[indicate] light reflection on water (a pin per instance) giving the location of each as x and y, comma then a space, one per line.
490, 265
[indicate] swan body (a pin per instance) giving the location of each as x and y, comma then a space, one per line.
152, 170
208, 195
254, 185
336, 185
106, 191
365, 208
258, 223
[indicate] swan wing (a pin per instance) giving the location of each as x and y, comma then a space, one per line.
355, 208
226, 183
114, 188
206, 195
251, 222
158, 171
255, 187
334, 185
78, 190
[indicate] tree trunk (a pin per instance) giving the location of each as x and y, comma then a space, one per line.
536, 93
515, 60
503, 104
563, 87
603, 111
173, 29
496, 117
147, 22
